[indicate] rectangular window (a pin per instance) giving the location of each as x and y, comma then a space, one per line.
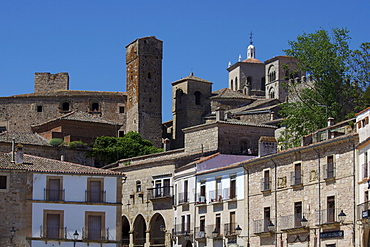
95, 190
39, 108
218, 189
202, 223
266, 218
54, 188
365, 166
297, 214
266, 181
331, 209
232, 223
183, 224
186, 190
95, 225
158, 188
330, 166
297, 174
121, 109
218, 223
166, 187
3, 182
188, 223
232, 187
203, 188
53, 224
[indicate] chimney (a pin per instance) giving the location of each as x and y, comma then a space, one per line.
266, 145
330, 121
272, 115
220, 114
166, 144
19, 154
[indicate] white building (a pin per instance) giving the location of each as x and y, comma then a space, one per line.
66, 204
363, 130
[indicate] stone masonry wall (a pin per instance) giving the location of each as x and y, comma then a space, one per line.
50, 82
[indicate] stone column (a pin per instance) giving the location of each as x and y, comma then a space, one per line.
131, 244
147, 239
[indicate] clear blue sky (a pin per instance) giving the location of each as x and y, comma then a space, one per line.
87, 38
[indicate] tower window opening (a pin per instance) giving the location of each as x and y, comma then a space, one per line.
149, 76
95, 106
197, 95
65, 106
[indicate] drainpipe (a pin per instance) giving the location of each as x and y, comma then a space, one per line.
319, 188
13, 150
195, 201
248, 213
275, 195
354, 190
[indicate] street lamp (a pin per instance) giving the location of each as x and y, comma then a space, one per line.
162, 228
12, 234
238, 230
341, 216
215, 233
271, 227
75, 237
186, 236
304, 222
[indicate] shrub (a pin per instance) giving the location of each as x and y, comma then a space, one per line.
55, 142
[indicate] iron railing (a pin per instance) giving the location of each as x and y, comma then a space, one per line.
291, 221
296, 178
53, 232
200, 199
95, 196
183, 197
327, 216
265, 184
261, 226
329, 170
54, 195
229, 229
160, 192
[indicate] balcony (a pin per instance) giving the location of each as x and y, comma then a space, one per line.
200, 199
363, 211
210, 229
329, 171
296, 178
215, 196
184, 198
200, 233
54, 195
95, 196
292, 224
229, 193
260, 227
229, 229
181, 229
53, 232
96, 234
265, 184
328, 218
160, 192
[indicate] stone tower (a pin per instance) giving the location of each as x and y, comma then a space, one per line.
190, 103
144, 88
278, 72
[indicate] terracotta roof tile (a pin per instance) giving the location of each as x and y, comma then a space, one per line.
43, 165
24, 138
67, 93
226, 93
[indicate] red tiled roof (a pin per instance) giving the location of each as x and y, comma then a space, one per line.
251, 60
44, 165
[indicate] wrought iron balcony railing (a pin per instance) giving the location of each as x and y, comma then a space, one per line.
160, 192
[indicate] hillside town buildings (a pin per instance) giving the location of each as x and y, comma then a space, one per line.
222, 179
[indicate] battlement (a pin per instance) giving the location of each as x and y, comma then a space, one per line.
44, 81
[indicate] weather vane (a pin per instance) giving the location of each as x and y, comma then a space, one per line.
251, 37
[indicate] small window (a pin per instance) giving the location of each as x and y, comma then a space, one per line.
65, 106
2, 129
121, 133
197, 95
121, 109
95, 107
232, 187
3, 182
150, 99
138, 186
149, 76
39, 108
249, 80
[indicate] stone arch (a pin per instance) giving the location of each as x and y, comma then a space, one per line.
139, 231
125, 231
157, 237
272, 73
179, 97
187, 243
271, 93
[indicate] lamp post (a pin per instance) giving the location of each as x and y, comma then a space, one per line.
341, 216
75, 237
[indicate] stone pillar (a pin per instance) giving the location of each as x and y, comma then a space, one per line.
131, 244
147, 239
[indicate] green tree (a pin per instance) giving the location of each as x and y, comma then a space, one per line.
110, 149
334, 91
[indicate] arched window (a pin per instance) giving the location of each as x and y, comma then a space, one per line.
179, 94
232, 85
138, 186
272, 73
249, 80
65, 106
95, 106
236, 84
197, 95
272, 93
